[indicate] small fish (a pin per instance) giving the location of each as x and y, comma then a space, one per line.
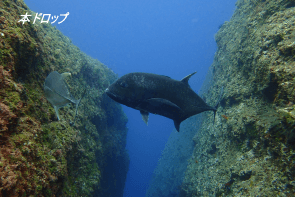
225, 117
57, 92
158, 94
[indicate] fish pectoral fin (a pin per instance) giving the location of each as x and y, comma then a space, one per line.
177, 125
145, 116
162, 103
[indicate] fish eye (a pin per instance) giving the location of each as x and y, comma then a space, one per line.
123, 84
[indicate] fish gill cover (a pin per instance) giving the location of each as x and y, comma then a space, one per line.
251, 151
39, 155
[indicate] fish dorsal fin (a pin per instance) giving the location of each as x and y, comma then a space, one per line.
145, 116
77, 105
185, 79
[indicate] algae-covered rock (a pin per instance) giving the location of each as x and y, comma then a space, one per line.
254, 133
40, 155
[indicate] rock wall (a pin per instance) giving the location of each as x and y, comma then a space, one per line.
250, 149
40, 155
169, 174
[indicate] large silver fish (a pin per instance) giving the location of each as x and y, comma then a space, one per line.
57, 92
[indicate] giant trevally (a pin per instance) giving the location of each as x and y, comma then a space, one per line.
158, 94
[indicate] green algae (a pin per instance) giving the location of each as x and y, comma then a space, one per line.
12, 99
255, 64
52, 156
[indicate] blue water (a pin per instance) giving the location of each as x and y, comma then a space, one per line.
173, 38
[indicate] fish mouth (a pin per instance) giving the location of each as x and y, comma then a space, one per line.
112, 95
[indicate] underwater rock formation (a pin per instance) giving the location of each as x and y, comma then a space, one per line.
170, 171
39, 155
251, 151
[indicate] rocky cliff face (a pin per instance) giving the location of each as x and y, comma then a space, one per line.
251, 150
40, 155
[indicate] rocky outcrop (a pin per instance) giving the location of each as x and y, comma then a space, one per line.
40, 155
251, 150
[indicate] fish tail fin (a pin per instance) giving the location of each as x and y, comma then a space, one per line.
177, 124
216, 106
219, 99
214, 116
214, 120
77, 105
